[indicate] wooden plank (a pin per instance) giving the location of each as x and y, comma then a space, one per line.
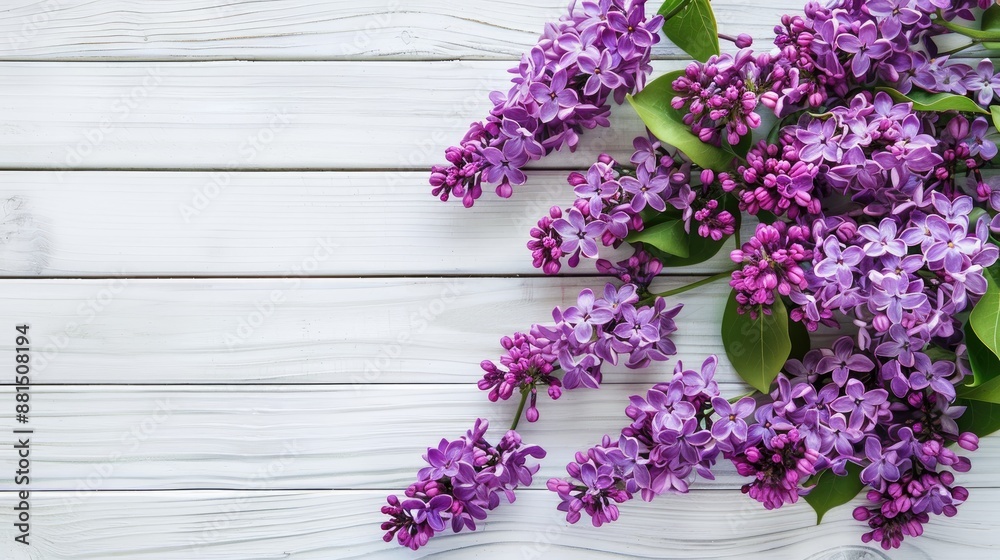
296, 330
257, 115
255, 224
305, 437
345, 525
305, 30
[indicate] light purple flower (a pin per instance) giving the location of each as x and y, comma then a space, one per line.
866, 46
578, 234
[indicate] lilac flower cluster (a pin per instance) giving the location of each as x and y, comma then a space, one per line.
613, 201
844, 405
821, 57
585, 336
597, 52
464, 479
671, 440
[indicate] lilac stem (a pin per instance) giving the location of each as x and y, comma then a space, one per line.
694, 285
520, 407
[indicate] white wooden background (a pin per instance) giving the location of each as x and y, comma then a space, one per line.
168, 168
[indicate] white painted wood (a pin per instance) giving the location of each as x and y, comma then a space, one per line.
306, 437
345, 331
267, 525
252, 224
267, 418
258, 115
308, 30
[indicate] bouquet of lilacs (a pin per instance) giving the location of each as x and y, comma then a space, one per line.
863, 152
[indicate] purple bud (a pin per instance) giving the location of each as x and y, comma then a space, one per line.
968, 441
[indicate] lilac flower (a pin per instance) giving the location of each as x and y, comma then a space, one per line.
562, 86
731, 424
586, 316
839, 262
844, 360
866, 47
636, 326
983, 82
599, 67
899, 346
882, 240
577, 234
646, 190
951, 244
894, 294
465, 479
895, 15
857, 400
505, 167
555, 98
882, 468
821, 140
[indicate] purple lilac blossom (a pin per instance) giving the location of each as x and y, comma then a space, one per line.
596, 53
464, 479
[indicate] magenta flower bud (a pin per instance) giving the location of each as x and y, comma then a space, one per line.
531, 414
968, 441
959, 493
881, 323
861, 513
606, 159
575, 179
743, 41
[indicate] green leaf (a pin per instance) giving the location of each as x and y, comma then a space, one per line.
700, 249
985, 316
832, 490
987, 35
690, 24
757, 348
926, 101
995, 112
668, 237
798, 334
990, 21
653, 106
980, 417
766, 217
974, 215
985, 384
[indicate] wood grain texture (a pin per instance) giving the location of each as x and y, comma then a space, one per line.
258, 115
342, 525
302, 330
307, 437
308, 29
276, 224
